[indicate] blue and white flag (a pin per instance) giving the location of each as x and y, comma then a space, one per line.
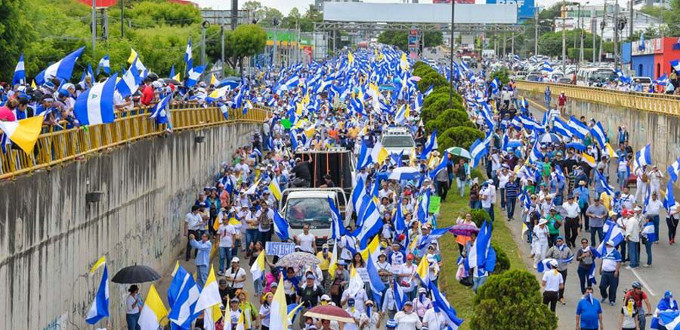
547, 67
670, 319
434, 235
160, 112
536, 155
578, 129
440, 304
339, 229
441, 166
370, 225
104, 64
398, 219
649, 232
676, 64
430, 145
669, 199
423, 207
377, 286
400, 297
194, 75
61, 69
644, 156
19, 72
641, 43
95, 106
598, 133
603, 182
477, 151
100, 305
130, 81
183, 310
561, 128
476, 257
187, 57
281, 227
612, 232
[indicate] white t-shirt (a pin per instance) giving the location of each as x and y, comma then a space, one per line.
306, 242
130, 307
541, 234
231, 276
552, 279
226, 233
194, 221
653, 207
408, 321
503, 178
406, 270
486, 197
359, 299
433, 319
572, 210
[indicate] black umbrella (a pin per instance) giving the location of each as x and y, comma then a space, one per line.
136, 274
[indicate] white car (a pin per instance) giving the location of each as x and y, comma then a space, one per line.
309, 206
398, 140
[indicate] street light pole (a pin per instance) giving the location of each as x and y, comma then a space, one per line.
453, 12
616, 34
535, 31
564, 36
593, 28
602, 25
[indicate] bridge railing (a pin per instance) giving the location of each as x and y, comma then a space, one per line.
660, 103
57, 145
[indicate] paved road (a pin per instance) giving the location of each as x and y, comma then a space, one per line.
663, 275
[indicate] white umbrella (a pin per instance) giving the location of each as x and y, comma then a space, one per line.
405, 173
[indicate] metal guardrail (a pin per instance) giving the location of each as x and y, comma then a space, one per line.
659, 103
57, 145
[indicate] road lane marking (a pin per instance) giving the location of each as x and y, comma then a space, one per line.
649, 289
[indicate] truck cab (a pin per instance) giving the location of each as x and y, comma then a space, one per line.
300, 206
397, 140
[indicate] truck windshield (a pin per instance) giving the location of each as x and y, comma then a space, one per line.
313, 211
397, 141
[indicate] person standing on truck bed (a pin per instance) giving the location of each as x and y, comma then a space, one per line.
328, 183
302, 170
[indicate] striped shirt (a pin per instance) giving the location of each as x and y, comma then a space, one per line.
511, 189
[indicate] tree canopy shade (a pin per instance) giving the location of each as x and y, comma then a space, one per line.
512, 300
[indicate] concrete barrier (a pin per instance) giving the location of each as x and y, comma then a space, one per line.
50, 236
659, 129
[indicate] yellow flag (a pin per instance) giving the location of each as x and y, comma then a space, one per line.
24, 133
133, 55
275, 189
33, 84
611, 151
370, 248
333, 265
217, 223
98, 264
213, 80
176, 77
154, 313
590, 160
423, 268
350, 58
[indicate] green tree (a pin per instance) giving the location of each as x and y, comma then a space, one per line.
460, 136
15, 35
400, 39
502, 260
431, 79
502, 75
447, 119
551, 43
511, 300
552, 12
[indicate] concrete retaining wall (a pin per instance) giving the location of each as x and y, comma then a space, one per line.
50, 237
662, 131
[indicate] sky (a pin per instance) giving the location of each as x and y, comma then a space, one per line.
284, 6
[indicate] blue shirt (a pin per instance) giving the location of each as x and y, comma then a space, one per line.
589, 310
203, 256
583, 195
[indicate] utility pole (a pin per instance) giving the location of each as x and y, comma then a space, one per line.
580, 20
222, 46
204, 25
630, 33
453, 14
616, 34
593, 29
564, 36
234, 14
94, 28
535, 31
122, 19
602, 25
512, 44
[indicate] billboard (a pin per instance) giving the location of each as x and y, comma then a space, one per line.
525, 8
418, 13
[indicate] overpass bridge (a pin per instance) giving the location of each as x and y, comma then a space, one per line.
649, 118
118, 190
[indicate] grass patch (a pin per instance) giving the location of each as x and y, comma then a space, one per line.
460, 296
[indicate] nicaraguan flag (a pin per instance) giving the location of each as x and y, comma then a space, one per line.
441, 166
371, 225
377, 286
430, 145
172, 72
281, 227
598, 133
339, 229
95, 106
19, 72
440, 304
641, 44
578, 128
183, 311
676, 64
130, 82
104, 64
194, 75
544, 265
644, 156
648, 230
398, 219
547, 67
669, 200
477, 151
434, 235
561, 128
61, 69
671, 319
187, 57
607, 188
100, 305
400, 297
614, 233
160, 113
423, 206
477, 256
358, 194
535, 155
